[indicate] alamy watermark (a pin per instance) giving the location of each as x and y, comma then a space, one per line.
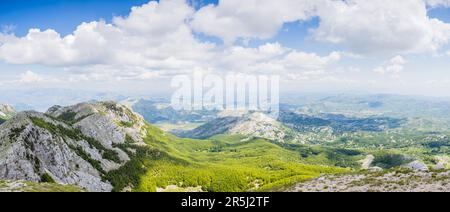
231, 92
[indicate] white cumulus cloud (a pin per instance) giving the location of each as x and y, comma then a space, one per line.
233, 19
154, 36
381, 26
361, 26
157, 39
393, 68
272, 58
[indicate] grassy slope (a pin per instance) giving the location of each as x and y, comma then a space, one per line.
35, 187
168, 127
221, 164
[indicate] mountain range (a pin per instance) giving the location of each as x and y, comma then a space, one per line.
106, 146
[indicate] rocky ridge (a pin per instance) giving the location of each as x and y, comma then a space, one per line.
74, 145
250, 124
393, 181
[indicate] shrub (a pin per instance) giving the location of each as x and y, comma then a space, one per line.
46, 178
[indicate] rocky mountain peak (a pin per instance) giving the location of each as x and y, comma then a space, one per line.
74, 145
259, 125
109, 122
6, 111
35, 147
252, 124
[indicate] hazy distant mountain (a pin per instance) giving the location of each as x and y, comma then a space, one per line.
289, 126
41, 99
370, 105
337, 123
155, 111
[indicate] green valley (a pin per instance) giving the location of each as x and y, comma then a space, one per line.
220, 164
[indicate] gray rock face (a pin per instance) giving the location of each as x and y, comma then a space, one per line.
6, 109
59, 144
367, 162
107, 122
260, 125
27, 152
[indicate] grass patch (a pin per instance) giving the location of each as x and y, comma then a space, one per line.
68, 116
125, 124
36, 187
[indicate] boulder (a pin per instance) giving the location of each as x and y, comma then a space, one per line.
417, 166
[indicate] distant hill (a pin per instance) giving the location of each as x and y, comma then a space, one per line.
370, 105
253, 124
159, 111
337, 123
288, 126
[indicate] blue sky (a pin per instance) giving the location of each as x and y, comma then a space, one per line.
65, 15
62, 15
440, 13
384, 47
